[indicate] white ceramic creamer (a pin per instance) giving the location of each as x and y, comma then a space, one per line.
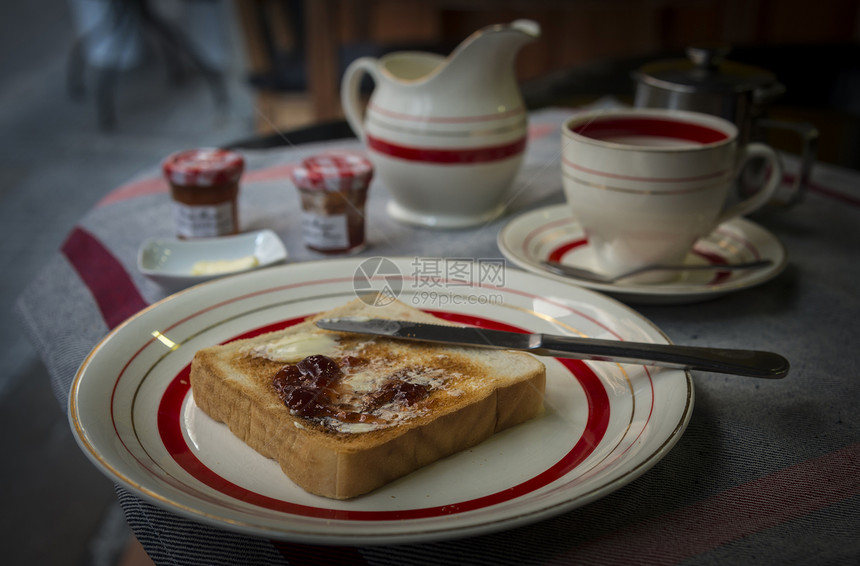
445, 135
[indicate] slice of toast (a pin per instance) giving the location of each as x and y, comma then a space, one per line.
366, 438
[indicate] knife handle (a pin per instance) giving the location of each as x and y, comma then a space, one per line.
750, 363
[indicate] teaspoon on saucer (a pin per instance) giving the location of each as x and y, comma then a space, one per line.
588, 275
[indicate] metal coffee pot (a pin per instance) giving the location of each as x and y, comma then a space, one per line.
706, 82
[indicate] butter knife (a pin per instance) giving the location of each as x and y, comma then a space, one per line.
750, 363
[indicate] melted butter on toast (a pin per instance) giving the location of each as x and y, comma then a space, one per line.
296, 347
445, 373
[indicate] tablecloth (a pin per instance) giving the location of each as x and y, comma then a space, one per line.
767, 472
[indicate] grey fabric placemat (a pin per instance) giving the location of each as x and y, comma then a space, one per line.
768, 472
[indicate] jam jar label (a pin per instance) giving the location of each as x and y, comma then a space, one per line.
204, 221
325, 232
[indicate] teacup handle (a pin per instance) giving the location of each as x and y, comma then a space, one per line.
350, 95
764, 195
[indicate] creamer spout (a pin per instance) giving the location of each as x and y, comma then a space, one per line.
528, 27
487, 56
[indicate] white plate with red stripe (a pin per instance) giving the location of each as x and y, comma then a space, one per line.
605, 424
552, 233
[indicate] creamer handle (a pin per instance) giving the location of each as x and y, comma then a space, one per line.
350, 93
761, 197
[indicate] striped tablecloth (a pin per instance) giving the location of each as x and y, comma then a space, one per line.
766, 473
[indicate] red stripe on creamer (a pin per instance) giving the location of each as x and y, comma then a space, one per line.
460, 156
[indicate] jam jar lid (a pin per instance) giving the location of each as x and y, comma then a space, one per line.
203, 167
333, 172
705, 70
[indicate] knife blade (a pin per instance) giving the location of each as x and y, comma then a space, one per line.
750, 363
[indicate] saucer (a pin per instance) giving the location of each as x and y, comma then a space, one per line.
552, 233
171, 262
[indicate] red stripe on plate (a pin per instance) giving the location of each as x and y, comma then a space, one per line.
170, 426
111, 286
461, 156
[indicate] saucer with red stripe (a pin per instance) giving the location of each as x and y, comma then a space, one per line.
552, 233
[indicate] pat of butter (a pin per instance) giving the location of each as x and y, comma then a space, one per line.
291, 349
355, 427
215, 267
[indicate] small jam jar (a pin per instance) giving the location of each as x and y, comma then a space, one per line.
333, 189
204, 184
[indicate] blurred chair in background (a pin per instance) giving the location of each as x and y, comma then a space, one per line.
113, 34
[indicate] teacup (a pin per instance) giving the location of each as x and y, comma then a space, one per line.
645, 184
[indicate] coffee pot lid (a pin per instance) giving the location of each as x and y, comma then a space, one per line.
705, 70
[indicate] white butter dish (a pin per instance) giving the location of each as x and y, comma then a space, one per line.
175, 264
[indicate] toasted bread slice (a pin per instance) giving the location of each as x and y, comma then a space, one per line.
468, 395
